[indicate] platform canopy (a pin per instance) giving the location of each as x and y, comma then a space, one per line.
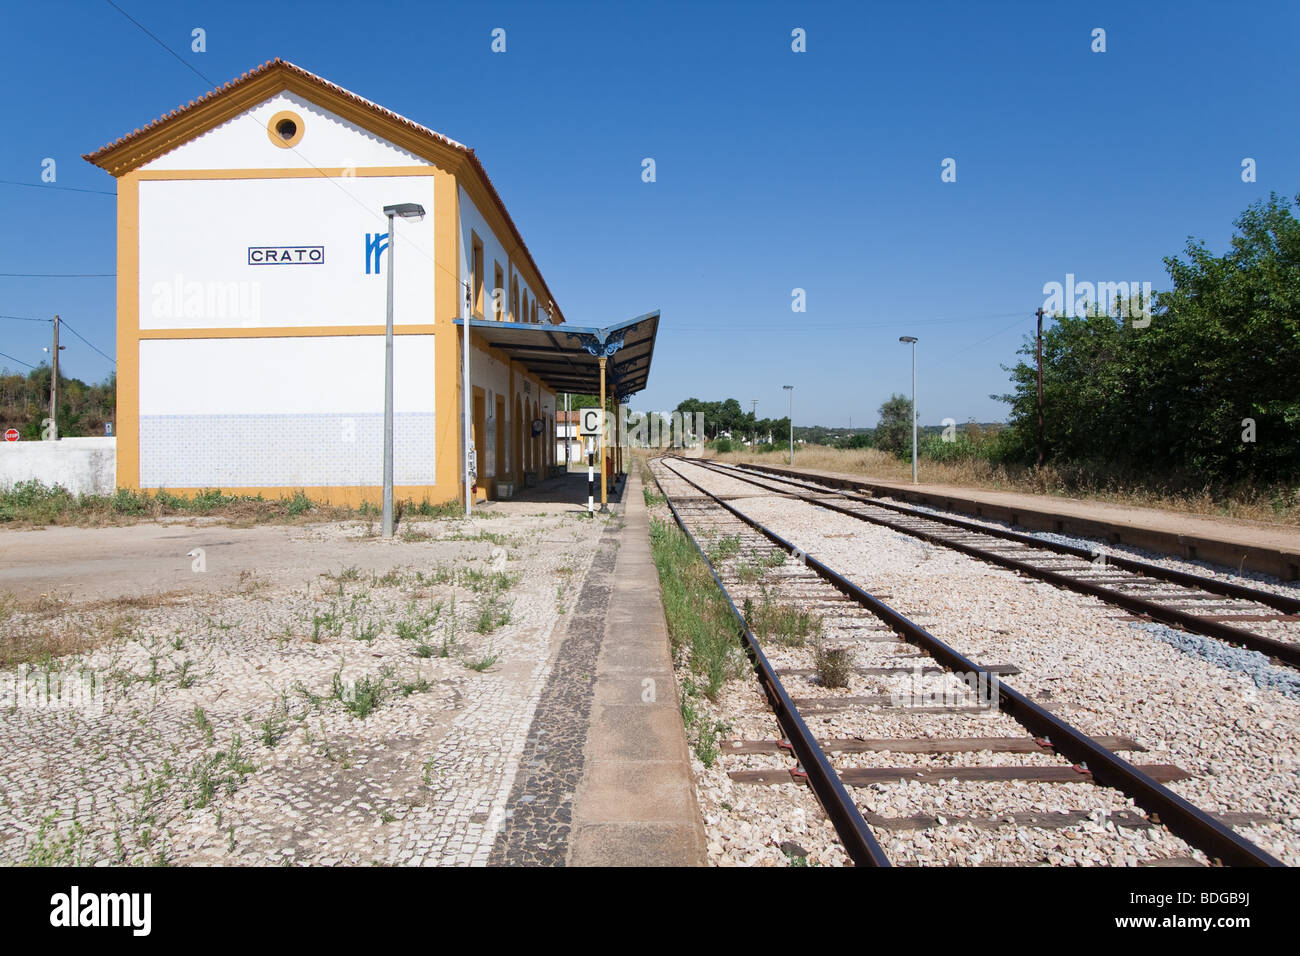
565, 357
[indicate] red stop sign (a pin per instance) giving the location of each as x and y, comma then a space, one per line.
11, 435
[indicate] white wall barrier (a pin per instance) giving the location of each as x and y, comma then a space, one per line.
81, 465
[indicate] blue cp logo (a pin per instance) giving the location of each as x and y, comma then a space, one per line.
376, 243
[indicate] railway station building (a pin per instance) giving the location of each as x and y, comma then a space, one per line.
252, 273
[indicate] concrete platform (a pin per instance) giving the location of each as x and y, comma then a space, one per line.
636, 804
1230, 542
605, 777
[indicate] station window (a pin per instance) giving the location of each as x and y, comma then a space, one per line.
534, 316
498, 290
514, 300
476, 278
523, 312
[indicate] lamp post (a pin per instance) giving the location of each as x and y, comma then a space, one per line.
415, 212
912, 340
790, 389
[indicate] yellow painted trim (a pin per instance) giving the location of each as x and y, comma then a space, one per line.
447, 348
285, 332
324, 172
273, 132
127, 426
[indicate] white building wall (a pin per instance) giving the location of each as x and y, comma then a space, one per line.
197, 238
493, 376
328, 142
283, 412
471, 219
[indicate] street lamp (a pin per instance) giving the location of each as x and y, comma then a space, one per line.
413, 212
790, 389
912, 339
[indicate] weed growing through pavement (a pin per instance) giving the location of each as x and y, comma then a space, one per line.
362, 697
223, 770
202, 722
493, 614
59, 849
274, 726
418, 685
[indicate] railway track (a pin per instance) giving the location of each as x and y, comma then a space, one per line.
1022, 746
1194, 603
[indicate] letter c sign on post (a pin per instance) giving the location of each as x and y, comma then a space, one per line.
591, 422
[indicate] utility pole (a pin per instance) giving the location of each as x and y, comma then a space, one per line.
54, 381
1039, 313
753, 414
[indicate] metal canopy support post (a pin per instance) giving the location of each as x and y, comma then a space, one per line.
604, 499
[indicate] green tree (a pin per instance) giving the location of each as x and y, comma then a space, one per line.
1171, 399
894, 430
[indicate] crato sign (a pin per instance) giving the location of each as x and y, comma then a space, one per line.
286, 255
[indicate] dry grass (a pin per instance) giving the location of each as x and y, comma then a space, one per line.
50, 625
33, 505
1280, 506
34, 640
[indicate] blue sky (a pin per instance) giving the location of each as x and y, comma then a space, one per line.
775, 170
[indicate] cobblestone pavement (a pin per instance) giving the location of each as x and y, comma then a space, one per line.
373, 713
538, 823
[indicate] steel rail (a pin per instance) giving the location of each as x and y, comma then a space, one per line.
1280, 602
1284, 651
1184, 819
858, 841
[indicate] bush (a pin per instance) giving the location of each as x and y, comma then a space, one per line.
853, 442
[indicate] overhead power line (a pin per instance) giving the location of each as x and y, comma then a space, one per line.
64, 323
74, 189
18, 360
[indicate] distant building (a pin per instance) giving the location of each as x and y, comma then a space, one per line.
566, 431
